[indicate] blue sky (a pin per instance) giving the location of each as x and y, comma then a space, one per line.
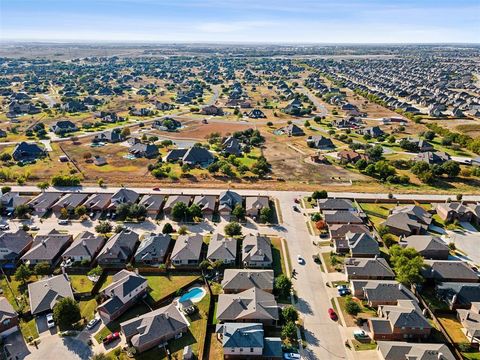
261, 21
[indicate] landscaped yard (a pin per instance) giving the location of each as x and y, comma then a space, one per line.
81, 283
453, 327
164, 285
360, 346
87, 308
278, 256
350, 319
434, 303
377, 213
29, 329
333, 262
17, 293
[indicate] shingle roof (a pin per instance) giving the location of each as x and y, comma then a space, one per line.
448, 270
257, 248
44, 294
187, 247
47, 247
368, 267
222, 248
86, 244
245, 335
6, 310
234, 279
15, 242
120, 246
153, 246
399, 350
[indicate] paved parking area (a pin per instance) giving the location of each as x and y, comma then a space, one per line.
56, 347
467, 240
15, 346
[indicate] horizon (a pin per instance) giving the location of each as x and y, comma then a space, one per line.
306, 22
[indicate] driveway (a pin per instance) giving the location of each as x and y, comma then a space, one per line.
42, 326
15, 346
54, 346
467, 241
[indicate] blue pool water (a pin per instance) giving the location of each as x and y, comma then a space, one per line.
194, 294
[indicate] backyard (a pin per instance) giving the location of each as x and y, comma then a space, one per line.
365, 312
164, 285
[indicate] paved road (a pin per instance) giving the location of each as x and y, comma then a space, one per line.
321, 109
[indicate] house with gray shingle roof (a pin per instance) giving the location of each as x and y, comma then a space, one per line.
153, 203
44, 201
221, 248
332, 204
449, 271
380, 292
341, 217
14, 245
187, 250
401, 350
85, 247
69, 202
227, 201
454, 211
252, 304
253, 205
458, 295
470, 320
123, 196
118, 249
430, 247
362, 245
47, 248
10, 200
153, 249
8, 318
207, 203
125, 289
368, 269
257, 251
408, 220
172, 200
155, 327
44, 294
238, 280
403, 321
98, 202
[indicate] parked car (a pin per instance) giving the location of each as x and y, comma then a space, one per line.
295, 208
360, 335
91, 324
300, 260
34, 228
156, 189
291, 356
111, 337
62, 222
50, 321
332, 314
344, 292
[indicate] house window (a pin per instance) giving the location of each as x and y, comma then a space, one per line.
6, 322
251, 349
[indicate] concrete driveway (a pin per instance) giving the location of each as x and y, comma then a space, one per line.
56, 347
42, 326
467, 241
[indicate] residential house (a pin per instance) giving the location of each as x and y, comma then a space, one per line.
44, 201
63, 127
47, 248
207, 203
332, 204
155, 328
368, 269
350, 156
373, 131
212, 110
408, 220
198, 156
362, 245
148, 151
10, 200
227, 202
221, 248
125, 289
8, 318
470, 320
69, 202
232, 146
292, 130
401, 350
253, 205
246, 306
118, 249
172, 200
341, 217
109, 136
153, 249
338, 231
402, 321
85, 247
13, 245
458, 295
238, 280
27, 152
449, 271
430, 247
98, 202
187, 250
433, 158
45, 293
454, 211
257, 251
123, 196
256, 114
380, 292
153, 203
320, 142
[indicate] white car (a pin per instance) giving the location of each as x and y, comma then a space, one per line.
62, 222
4, 227
300, 260
291, 356
34, 228
50, 321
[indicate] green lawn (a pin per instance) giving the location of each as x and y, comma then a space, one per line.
350, 319
29, 329
87, 308
471, 356
137, 309
81, 283
332, 266
278, 258
17, 293
360, 346
164, 285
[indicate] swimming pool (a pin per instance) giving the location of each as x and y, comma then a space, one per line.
194, 295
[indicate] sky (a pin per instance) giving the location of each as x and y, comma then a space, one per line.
242, 21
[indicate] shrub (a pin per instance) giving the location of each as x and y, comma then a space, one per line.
351, 306
233, 228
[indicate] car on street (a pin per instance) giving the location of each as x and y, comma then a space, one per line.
156, 189
111, 337
50, 321
300, 260
295, 208
91, 324
332, 314
62, 222
343, 290
291, 356
297, 201
4, 227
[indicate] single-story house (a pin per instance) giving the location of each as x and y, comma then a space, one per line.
221, 248
257, 251
153, 249
187, 250
85, 247
47, 248
238, 280
45, 293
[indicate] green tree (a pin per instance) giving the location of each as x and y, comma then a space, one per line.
351, 306
100, 356
266, 214
66, 312
80, 210
233, 228
179, 211
451, 168
125, 132
167, 229
23, 273
96, 271
239, 212
103, 227
42, 268
407, 264
182, 230
289, 331
322, 194
44, 185
289, 313
283, 286
195, 212
21, 211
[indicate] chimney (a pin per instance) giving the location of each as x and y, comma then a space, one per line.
84, 243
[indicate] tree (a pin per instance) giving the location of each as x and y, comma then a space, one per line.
204, 265
44, 185
66, 312
179, 211
21, 211
23, 273
289, 331
125, 132
266, 214
182, 230
63, 213
233, 228
195, 212
407, 264
103, 227
167, 229
451, 168
388, 240
96, 271
352, 306
122, 211
100, 356
239, 212
429, 135
382, 230
283, 286
375, 153
42, 268
80, 210
322, 194
289, 313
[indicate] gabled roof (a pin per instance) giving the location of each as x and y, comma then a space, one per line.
15, 242
423, 243
71, 200
400, 350
341, 217
256, 248
86, 244
234, 279
198, 155
459, 292
152, 202
206, 202
222, 248
44, 294
256, 202
445, 270
362, 244
335, 204
45, 200
377, 267
120, 246
46, 247
249, 304
6, 310
98, 200
187, 247
124, 196
242, 335
228, 199
153, 246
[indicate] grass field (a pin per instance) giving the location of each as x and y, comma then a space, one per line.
361, 346
81, 283
278, 256
29, 329
164, 285
87, 308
